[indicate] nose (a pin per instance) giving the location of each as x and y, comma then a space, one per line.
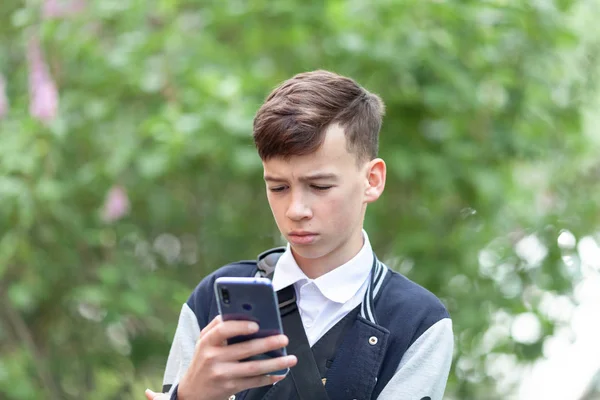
298, 209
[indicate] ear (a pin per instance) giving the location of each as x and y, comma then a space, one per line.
375, 174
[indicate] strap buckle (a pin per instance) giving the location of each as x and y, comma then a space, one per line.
287, 300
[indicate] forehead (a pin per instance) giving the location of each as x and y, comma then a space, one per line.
331, 157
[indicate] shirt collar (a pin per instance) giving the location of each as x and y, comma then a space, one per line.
338, 285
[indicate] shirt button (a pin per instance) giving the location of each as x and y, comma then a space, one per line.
232, 397
372, 340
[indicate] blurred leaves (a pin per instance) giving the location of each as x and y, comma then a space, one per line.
145, 179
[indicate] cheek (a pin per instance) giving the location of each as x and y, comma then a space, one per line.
343, 208
275, 205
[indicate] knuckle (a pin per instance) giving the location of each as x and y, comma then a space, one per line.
210, 356
220, 329
274, 342
230, 386
245, 350
253, 368
200, 340
257, 347
279, 364
218, 374
250, 348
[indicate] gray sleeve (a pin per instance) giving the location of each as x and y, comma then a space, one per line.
424, 368
182, 349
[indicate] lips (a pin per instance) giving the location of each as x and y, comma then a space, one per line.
302, 237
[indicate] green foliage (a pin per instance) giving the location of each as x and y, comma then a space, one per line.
483, 139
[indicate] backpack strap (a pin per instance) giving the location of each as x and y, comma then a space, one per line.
266, 261
303, 382
305, 374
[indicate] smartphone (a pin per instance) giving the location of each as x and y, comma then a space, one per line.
251, 299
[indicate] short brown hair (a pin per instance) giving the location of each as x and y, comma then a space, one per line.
294, 117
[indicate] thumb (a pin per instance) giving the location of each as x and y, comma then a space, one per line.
150, 395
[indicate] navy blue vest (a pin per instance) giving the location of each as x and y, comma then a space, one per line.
394, 313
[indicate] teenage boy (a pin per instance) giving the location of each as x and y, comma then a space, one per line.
373, 333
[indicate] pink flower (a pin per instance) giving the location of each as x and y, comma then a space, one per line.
61, 8
3, 98
42, 89
116, 205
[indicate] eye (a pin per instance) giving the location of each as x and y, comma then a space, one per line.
277, 189
323, 188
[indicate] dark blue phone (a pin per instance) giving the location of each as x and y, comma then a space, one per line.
251, 299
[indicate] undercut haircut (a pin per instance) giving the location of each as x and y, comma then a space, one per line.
295, 116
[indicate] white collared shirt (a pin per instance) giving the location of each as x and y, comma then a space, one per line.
324, 301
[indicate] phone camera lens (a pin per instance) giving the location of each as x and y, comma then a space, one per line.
225, 295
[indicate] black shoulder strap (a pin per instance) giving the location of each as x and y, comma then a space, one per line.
305, 374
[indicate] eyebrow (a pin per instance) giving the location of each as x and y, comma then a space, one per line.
310, 177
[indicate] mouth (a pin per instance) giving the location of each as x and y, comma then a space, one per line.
302, 237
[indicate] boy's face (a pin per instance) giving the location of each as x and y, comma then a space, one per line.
319, 200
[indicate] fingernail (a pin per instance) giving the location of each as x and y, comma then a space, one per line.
252, 326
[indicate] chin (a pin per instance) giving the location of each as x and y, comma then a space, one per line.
310, 251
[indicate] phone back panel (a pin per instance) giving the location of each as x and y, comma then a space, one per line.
250, 299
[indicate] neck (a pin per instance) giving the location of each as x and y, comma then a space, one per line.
316, 267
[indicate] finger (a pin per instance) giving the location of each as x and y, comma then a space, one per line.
228, 329
248, 369
258, 381
240, 351
216, 320
150, 395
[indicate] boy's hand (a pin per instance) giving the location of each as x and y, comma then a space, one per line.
216, 372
